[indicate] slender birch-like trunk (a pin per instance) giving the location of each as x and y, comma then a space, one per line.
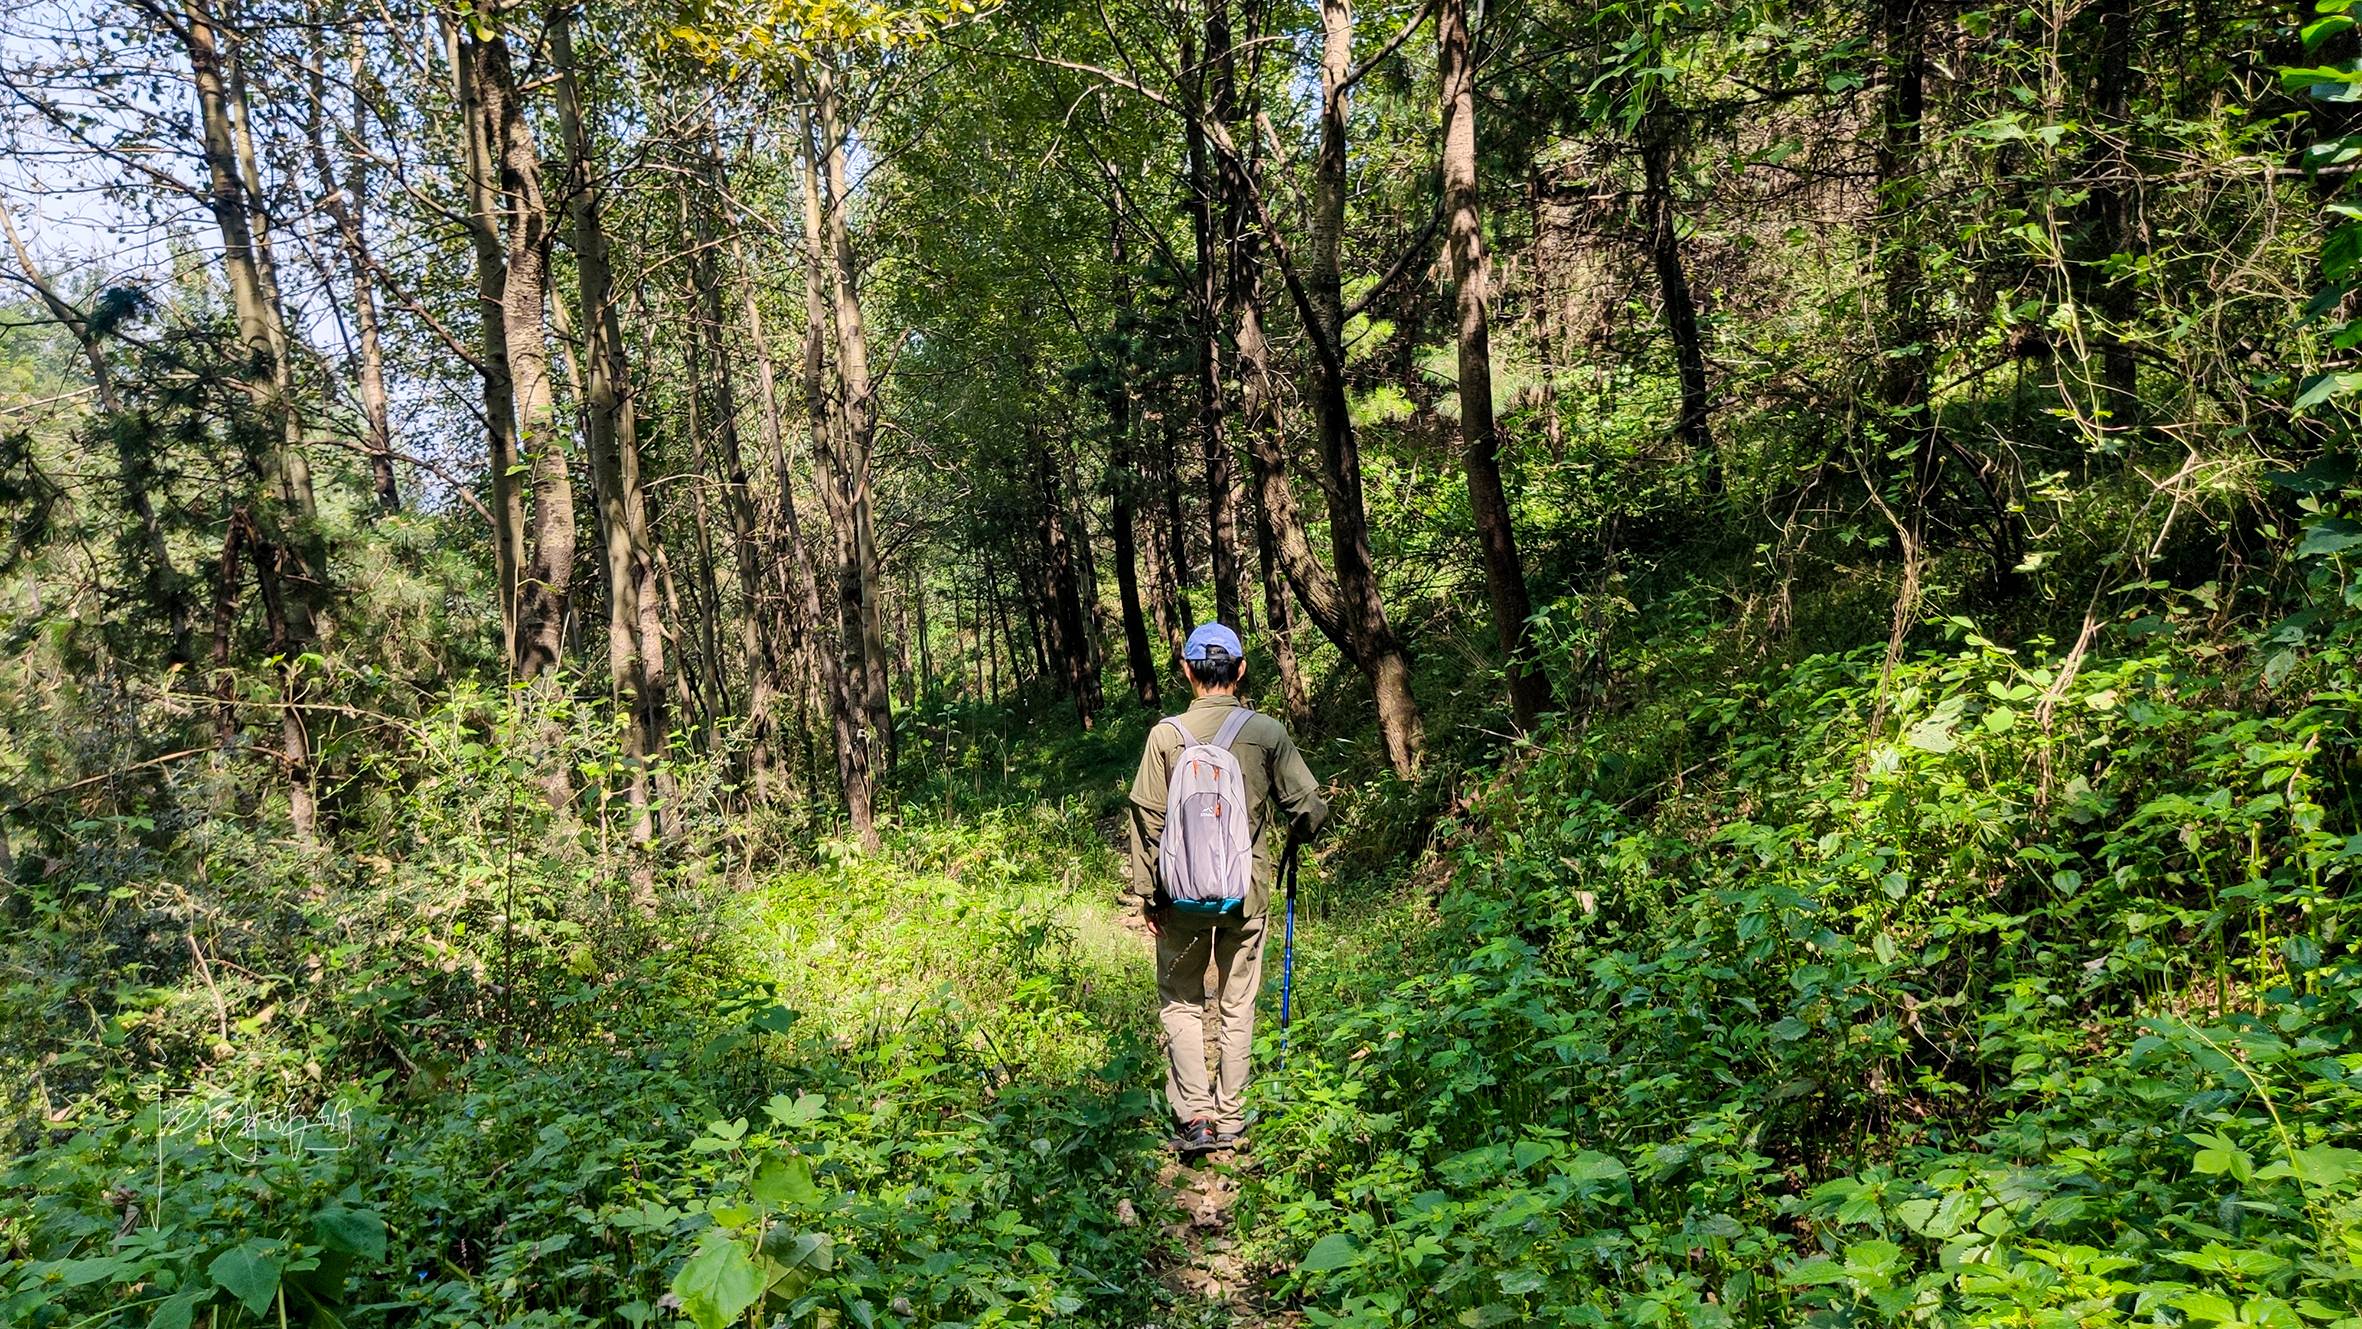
1529, 689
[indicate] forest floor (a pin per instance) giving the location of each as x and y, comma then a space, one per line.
1206, 1267
1053, 981
1202, 1266
1200, 1259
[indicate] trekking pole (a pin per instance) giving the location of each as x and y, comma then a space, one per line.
1287, 951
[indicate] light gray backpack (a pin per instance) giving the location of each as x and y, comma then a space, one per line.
1207, 855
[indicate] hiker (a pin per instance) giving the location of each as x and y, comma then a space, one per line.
1208, 880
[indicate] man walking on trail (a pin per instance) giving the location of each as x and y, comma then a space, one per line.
1207, 876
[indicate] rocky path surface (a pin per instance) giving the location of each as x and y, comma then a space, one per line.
1206, 1268
1210, 1281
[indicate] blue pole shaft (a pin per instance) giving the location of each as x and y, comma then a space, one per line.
1288, 943
1287, 967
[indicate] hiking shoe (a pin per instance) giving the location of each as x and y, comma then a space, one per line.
1231, 1139
1196, 1137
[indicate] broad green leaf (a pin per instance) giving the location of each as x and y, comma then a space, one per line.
1597, 1168
2218, 1155
802, 1110
176, 1311
720, 1136
2206, 1307
1936, 1218
354, 1231
2329, 535
1334, 1251
2320, 1165
2323, 387
783, 1179
793, 1260
1814, 1272
82, 1273
718, 1282
1873, 1263
1519, 1282
2322, 475
249, 1273
1931, 736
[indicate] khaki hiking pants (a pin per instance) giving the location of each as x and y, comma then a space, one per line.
1234, 946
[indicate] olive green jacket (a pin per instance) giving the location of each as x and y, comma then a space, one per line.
1277, 781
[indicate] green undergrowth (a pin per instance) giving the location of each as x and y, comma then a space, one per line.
903, 1090
2035, 1004
2014, 987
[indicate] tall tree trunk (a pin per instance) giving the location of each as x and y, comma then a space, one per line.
800, 600
1909, 363
713, 667
2113, 295
1163, 597
860, 413
1673, 290
635, 642
1037, 640
226, 583
905, 674
1504, 575
283, 543
480, 164
1139, 655
1284, 548
1908, 411
1069, 636
1280, 611
1206, 303
1168, 548
854, 774
689, 692
804, 614
988, 667
1377, 651
923, 684
545, 592
1546, 338
299, 541
1086, 570
1123, 481
758, 645
844, 668
1177, 558
1009, 680
1277, 512
344, 201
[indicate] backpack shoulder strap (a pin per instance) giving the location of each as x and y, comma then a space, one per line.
1228, 733
1187, 739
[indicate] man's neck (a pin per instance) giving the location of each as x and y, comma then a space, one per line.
1207, 694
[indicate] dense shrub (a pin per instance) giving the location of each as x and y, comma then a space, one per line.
2037, 1004
506, 1072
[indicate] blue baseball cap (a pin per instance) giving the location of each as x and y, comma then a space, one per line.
1211, 638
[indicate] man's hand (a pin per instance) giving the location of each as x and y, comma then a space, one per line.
1154, 917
